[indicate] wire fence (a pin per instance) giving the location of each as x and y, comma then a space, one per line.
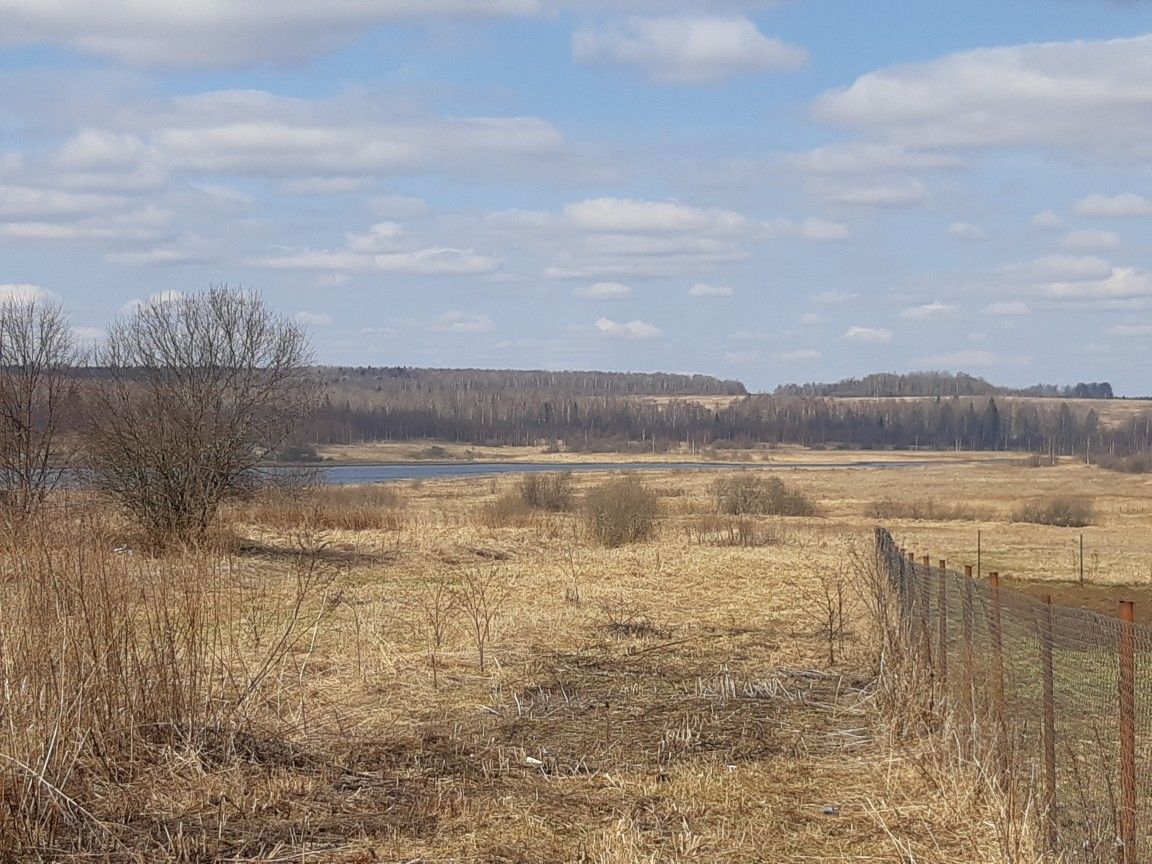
1057, 699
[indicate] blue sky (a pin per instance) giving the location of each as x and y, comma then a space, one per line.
773, 191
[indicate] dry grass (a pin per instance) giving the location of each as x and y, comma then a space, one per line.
668, 700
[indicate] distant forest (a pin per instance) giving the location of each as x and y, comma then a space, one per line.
939, 384
601, 411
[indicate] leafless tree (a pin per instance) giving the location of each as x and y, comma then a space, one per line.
37, 359
193, 394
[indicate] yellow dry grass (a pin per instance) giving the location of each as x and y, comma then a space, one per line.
669, 701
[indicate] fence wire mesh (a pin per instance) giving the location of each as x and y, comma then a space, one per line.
1057, 698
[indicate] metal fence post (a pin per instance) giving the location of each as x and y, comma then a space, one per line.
1049, 723
1127, 734
967, 626
942, 612
998, 676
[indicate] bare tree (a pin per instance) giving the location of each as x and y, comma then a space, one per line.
193, 395
37, 360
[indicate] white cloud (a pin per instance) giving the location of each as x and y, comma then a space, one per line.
963, 359
742, 358
604, 291
1123, 283
871, 158
882, 192
627, 330
928, 311
1131, 330
1115, 206
803, 355
1007, 307
1091, 239
222, 32
1067, 268
24, 292
816, 230
810, 318
703, 289
626, 215
686, 50
1049, 220
169, 296
1090, 97
433, 261
833, 298
463, 322
313, 319
967, 231
868, 335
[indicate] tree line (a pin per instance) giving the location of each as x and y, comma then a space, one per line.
890, 384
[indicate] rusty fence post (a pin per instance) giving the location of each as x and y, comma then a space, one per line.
998, 706
1049, 723
942, 611
967, 627
1127, 734
926, 616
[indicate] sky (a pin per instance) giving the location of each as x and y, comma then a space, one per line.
769, 191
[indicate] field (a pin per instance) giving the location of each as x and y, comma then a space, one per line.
315, 688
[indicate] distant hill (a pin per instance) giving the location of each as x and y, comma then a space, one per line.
890, 385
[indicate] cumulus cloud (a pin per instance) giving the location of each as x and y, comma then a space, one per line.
833, 298
1122, 283
463, 322
1091, 239
803, 355
24, 292
1048, 220
223, 32
313, 319
881, 192
967, 231
604, 291
626, 215
704, 289
928, 311
434, 261
1057, 95
741, 358
1007, 307
1115, 206
868, 335
686, 50
1131, 330
816, 230
169, 296
626, 330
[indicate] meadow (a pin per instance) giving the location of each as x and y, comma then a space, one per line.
448, 671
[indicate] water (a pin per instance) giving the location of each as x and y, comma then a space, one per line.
344, 475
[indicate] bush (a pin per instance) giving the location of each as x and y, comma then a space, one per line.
1133, 463
621, 511
927, 509
547, 491
507, 511
714, 530
1063, 511
760, 496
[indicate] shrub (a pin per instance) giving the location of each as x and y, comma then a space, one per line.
621, 511
1063, 511
928, 509
507, 511
714, 530
760, 496
547, 491
1133, 463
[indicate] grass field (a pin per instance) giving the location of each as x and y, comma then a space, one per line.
313, 690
